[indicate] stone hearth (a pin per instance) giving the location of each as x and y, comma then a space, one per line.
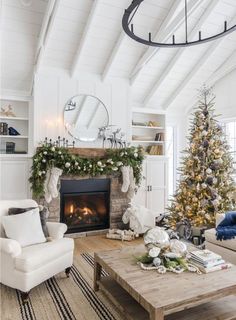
118, 200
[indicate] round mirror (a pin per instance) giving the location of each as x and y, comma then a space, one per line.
84, 115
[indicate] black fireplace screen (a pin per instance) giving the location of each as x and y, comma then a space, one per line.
83, 208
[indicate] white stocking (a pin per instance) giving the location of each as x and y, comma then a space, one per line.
132, 183
47, 193
52, 185
125, 178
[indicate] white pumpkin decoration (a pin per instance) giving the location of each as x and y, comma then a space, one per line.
156, 236
154, 252
178, 247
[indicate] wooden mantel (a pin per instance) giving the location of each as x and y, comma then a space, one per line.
89, 152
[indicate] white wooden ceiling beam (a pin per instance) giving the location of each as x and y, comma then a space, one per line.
46, 31
162, 35
50, 9
228, 66
179, 53
204, 58
84, 38
113, 56
122, 36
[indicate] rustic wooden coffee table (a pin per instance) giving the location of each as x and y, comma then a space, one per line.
143, 294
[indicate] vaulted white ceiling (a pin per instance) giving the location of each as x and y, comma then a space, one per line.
86, 36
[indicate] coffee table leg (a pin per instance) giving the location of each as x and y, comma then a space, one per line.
156, 314
97, 275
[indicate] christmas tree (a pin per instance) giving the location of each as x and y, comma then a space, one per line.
206, 184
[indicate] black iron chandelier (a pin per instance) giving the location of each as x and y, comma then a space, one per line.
129, 30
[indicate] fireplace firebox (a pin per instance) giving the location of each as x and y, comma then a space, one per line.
85, 204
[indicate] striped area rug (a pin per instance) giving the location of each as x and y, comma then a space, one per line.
61, 298
73, 298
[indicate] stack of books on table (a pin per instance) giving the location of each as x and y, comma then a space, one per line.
208, 261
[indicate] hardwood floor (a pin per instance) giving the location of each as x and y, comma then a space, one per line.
101, 243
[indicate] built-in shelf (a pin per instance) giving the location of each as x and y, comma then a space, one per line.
14, 137
20, 120
144, 141
14, 118
14, 155
148, 127
148, 130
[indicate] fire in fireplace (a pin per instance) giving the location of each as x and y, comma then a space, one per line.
85, 204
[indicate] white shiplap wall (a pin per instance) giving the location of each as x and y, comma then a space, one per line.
52, 92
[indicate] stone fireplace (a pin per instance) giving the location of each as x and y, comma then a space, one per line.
111, 204
88, 204
85, 204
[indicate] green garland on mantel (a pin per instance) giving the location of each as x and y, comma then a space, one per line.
48, 156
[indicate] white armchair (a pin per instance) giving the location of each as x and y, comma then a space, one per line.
25, 268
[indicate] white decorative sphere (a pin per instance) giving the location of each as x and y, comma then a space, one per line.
156, 236
178, 247
154, 252
156, 262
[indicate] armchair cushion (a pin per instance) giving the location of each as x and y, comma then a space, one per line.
56, 229
9, 246
25, 228
43, 212
37, 256
6, 204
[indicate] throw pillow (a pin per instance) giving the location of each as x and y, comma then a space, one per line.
25, 228
43, 212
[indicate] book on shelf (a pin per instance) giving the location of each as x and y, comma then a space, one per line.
159, 136
155, 150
